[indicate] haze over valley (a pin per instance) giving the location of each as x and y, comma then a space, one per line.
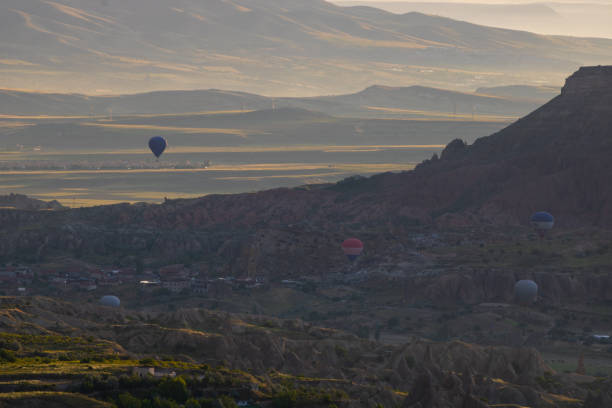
71, 147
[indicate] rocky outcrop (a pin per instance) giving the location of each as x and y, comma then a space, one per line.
443, 390
588, 80
22, 202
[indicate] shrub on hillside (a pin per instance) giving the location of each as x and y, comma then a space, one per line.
10, 344
174, 388
227, 402
126, 400
7, 356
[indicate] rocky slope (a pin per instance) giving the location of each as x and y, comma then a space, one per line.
406, 100
436, 374
555, 158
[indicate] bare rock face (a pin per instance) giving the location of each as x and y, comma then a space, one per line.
588, 80
511, 364
441, 391
454, 150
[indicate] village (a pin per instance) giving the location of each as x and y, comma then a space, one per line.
30, 280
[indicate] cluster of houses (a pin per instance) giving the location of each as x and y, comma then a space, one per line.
15, 279
175, 278
241, 391
75, 278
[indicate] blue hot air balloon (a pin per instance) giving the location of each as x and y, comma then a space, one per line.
542, 221
111, 301
157, 144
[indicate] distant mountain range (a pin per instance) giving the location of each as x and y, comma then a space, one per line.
270, 47
372, 102
576, 18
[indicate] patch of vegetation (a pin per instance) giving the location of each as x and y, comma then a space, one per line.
291, 397
50, 399
548, 382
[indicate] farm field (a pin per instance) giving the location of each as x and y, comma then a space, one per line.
126, 176
85, 161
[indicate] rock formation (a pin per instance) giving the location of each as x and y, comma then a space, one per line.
22, 202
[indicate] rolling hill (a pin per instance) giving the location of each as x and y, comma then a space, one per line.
372, 102
269, 47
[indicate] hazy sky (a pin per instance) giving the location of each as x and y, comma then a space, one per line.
609, 2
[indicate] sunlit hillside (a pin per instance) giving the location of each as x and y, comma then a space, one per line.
267, 47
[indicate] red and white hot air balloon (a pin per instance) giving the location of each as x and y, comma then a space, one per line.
352, 248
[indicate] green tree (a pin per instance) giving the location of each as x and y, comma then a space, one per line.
227, 402
207, 403
174, 389
192, 403
127, 400
285, 399
7, 356
164, 403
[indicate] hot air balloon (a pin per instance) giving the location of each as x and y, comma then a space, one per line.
542, 222
111, 301
352, 248
526, 291
157, 144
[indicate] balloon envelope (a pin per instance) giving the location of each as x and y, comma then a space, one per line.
109, 300
352, 248
526, 291
542, 220
157, 144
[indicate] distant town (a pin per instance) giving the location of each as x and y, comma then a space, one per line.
55, 165
25, 280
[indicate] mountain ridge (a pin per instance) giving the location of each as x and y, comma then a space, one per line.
267, 47
540, 17
357, 104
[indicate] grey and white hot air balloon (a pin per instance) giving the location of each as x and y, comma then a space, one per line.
110, 300
526, 292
